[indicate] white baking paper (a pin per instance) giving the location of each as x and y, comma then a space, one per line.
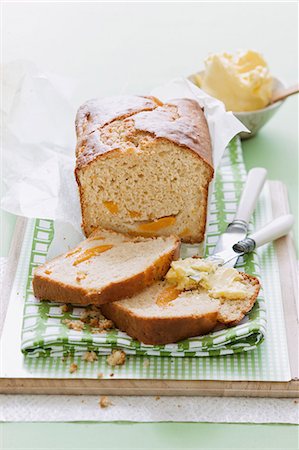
84, 408
39, 140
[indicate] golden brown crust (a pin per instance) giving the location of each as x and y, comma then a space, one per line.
98, 112
247, 306
180, 121
158, 330
188, 128
49, 289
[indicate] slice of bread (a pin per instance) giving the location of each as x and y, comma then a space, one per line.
106, 267
163, 315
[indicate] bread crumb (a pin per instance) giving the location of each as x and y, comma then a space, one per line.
104, 402
157, 397
93, 317
111, 374
90, 356
96, 331
100, 375
116, 358
76, 325
94, 322
48, 272
65, 308
295, 401
146, 363
89, 313
106, 324
73, 368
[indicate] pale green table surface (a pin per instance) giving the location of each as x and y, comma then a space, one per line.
102, 45
151, 436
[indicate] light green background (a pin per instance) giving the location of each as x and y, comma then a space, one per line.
130, 48
171, 436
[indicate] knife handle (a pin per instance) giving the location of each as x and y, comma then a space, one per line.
255, 181
274, 230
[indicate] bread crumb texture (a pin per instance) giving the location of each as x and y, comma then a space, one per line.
73, 368
91, 317
76, 325
104, 402
116, 358
90, 356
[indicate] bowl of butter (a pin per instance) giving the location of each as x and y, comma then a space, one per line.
242, 81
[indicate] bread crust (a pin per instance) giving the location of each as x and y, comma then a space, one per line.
254, 282
159, 331
189, 130
47, 289
98, 112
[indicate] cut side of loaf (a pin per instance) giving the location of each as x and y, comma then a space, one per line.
106, 267
144, 167
163, 315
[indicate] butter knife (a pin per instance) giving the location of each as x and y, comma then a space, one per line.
274, 230
238, 228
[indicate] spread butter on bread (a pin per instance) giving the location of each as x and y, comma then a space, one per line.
181, 307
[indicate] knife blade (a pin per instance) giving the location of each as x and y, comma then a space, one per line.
238, 228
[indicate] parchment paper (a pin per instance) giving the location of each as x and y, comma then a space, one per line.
39, 140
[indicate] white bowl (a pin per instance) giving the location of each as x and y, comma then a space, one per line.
255, 120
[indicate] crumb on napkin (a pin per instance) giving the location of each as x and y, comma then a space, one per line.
116, 358
73, 368
76, 325
90, 356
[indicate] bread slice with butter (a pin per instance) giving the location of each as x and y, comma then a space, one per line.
165, 313
106, 267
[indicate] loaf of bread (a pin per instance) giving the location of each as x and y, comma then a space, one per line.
106, 267
143, 167
161, 314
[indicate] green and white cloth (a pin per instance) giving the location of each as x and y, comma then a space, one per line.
45, 334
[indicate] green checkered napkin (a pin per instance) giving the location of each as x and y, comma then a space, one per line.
45, 334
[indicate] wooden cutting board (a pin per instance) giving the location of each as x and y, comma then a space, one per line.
288, 272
